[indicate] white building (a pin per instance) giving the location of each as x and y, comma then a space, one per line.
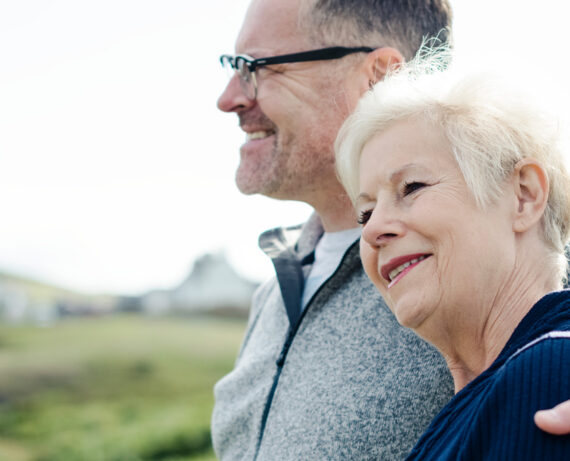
212, 286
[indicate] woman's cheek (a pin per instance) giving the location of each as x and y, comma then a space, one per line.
369, 258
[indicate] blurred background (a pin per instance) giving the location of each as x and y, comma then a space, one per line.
119, 217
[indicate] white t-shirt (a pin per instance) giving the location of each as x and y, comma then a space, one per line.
328, 253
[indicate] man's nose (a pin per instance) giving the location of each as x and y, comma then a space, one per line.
233, 99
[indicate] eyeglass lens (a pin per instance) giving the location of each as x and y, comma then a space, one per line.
246, 78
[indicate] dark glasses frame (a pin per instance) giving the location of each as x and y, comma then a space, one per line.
322, 54
245, 66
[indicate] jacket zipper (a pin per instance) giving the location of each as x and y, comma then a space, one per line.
285, 350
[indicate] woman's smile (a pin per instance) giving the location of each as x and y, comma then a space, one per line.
398, 267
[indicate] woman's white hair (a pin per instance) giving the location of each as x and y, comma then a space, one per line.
489, 126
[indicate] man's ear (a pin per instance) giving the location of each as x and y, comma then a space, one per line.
379, 62
531, 187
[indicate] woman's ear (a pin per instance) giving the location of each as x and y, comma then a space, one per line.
379, 62
531, 187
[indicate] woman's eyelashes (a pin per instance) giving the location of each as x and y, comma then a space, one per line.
410, 187
407, 188
364, 216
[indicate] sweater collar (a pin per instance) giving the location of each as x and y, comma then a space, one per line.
545, 316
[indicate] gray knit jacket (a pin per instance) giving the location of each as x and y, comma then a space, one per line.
341, 381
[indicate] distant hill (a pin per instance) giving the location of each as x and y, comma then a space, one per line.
212, 287
25, 300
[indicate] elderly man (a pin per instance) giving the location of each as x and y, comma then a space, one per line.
324, 371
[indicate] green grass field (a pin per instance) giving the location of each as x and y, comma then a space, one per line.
124, 388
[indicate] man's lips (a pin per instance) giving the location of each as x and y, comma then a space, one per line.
396, 268
258, 134
256, 125
257, 129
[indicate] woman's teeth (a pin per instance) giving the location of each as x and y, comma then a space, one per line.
394, 273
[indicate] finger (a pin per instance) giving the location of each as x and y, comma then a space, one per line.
556, 420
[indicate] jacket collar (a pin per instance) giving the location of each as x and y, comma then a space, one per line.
301, 239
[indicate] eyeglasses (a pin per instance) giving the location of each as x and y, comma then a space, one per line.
245, 66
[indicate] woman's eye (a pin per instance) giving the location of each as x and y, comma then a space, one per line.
410, 187
364, 216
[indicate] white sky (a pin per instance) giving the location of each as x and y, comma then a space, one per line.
116, 169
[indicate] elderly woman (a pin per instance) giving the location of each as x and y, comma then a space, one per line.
464, 201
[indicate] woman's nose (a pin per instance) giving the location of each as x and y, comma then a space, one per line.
381, 228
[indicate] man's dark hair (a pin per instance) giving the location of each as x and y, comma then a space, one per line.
402, 24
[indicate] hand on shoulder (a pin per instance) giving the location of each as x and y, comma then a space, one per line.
555, 420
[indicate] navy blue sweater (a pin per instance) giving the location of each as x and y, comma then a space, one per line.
492, 417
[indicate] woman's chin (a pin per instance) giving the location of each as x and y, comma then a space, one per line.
410, 316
